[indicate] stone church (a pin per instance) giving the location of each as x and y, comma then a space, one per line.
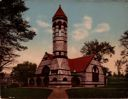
57, 69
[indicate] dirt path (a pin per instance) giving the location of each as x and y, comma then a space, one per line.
58, 93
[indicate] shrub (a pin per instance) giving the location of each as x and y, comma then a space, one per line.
13, 85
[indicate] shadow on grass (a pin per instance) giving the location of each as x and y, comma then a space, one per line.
25, 93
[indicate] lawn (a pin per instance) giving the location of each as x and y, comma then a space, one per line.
97, 93
116, 88
26, 93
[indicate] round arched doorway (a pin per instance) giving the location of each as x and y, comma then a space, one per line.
75, 81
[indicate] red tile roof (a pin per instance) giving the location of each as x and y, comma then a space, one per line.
59, 12
77, 64
80, 64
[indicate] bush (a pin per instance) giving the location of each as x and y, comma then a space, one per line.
13, 85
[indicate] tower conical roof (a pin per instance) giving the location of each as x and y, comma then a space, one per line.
60, 13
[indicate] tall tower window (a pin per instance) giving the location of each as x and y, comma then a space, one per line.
56, 30
60, 33
57, 53
62, 26
62, 53
57, 26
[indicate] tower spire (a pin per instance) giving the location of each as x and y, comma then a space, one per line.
59, 14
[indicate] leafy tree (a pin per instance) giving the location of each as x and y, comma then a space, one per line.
22, 71
106, 71
101, 49
124, 43
126, 71
124, 53
119, 63
13, 30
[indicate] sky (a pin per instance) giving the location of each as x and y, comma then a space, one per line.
104, 20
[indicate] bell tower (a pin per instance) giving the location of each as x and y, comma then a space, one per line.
59, 34
60, 72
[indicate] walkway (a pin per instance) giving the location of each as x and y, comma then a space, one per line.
58, 93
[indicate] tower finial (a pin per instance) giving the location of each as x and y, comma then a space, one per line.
59, 5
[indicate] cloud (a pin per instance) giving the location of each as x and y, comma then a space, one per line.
80, 34
73, 52
34, 29
88, 22
49, 30
81, 30
102, 27
44, 25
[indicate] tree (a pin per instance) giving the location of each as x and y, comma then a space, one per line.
124, 43
119, 63
106, 71
22, 71
14, 30
124, 53
101, 49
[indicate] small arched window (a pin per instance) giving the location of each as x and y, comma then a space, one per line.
65, 24
54, 79
59, 23
54, 24
65, 79
95, 74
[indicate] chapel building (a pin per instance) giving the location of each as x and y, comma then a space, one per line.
57, 69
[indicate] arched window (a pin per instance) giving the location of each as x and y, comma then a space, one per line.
65, 24
95, 74
59, 24
54, 24
65, 79
45, 71
54, 79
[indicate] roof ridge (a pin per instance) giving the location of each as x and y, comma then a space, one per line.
82, 57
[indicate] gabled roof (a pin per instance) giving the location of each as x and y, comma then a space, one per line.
50, 56
59, 13
80, 64
47, 56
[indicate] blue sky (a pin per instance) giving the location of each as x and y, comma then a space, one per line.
87, 20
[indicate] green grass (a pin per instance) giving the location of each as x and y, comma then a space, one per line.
26, 93
97, 93
116, 88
